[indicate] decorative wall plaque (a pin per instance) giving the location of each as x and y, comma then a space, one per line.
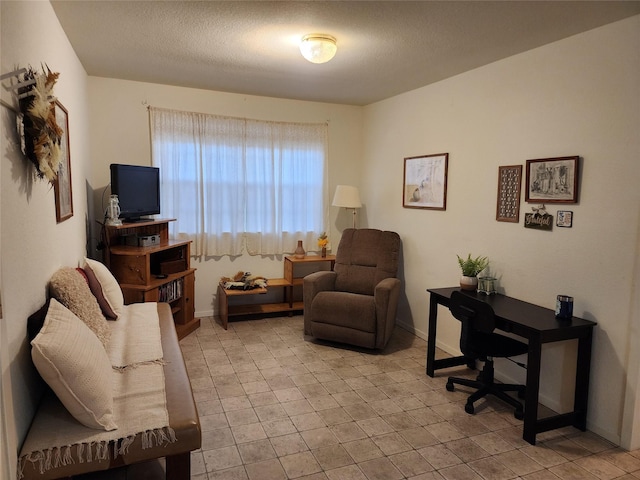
538, 221
508, 205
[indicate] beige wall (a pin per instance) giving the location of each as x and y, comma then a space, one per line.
579, 96
120, 134
33, 244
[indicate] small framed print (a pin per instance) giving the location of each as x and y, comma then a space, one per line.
509, 181
425, 182
552, 180
564, 219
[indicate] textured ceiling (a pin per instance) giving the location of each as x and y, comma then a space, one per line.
384, 47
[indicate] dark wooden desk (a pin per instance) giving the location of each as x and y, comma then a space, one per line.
538, 325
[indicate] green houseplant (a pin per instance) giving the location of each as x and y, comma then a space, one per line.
471, 267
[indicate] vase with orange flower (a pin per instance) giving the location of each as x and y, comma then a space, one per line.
323, 241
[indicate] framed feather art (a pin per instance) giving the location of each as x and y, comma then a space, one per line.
62, 182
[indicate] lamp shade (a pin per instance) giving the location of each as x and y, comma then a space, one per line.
347, 196
318, 47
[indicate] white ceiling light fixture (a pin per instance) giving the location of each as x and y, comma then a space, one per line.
318, 47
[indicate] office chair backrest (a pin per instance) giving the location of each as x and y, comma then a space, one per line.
477, 319
469, 309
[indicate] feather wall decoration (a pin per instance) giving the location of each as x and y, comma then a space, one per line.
41, 131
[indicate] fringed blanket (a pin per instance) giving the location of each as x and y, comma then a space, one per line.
135, 350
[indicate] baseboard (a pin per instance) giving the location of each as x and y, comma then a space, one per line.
411, 329
206, 313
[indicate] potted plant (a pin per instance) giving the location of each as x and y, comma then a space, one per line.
471, 267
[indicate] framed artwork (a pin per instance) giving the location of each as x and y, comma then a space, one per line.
552, 180
564, 218
425, 182
508, 204
62, 183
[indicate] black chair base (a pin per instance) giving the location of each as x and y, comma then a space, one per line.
486, 385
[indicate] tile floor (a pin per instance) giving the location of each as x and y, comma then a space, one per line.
276, 406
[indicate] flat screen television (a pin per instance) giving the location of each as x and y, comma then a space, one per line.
138, 190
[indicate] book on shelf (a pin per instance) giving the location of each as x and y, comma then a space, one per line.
170, 291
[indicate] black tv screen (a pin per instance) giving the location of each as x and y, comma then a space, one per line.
138, 190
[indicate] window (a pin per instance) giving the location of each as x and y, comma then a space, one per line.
235, 184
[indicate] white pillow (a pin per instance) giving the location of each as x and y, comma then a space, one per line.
110, 287
73, 362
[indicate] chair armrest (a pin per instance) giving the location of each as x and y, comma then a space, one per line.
313, 284
385, 296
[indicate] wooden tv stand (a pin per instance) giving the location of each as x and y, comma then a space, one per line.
288, 305
140, 270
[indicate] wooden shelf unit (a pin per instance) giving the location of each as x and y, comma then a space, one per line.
289, 304
136, 269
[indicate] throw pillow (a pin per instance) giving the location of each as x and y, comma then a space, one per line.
70, 289
83, 273
72, 361
96, 289
109, 288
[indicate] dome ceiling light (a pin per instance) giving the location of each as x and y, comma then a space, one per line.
318, 47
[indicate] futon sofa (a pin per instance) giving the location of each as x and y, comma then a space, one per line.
117, 391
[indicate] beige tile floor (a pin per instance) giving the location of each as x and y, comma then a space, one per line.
274, 405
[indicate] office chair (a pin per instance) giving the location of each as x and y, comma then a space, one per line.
479, 342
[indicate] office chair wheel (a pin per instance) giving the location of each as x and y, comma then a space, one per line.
469, 408
519, 414
450, 386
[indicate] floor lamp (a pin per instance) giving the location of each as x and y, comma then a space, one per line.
348, 197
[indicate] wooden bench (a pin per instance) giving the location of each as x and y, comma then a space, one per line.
226, 310
229, 308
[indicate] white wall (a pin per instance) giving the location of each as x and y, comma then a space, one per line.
33, 245
579, 96
120, 134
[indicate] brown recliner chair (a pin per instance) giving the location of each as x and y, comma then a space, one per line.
356, 302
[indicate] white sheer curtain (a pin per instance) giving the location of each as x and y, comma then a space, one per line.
234, 183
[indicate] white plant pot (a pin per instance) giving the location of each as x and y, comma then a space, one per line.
468, 283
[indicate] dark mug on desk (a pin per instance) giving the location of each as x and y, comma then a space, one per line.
564, 307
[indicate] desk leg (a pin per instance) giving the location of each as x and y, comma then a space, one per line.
532, 390
431, 337
583, 368
432, 363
